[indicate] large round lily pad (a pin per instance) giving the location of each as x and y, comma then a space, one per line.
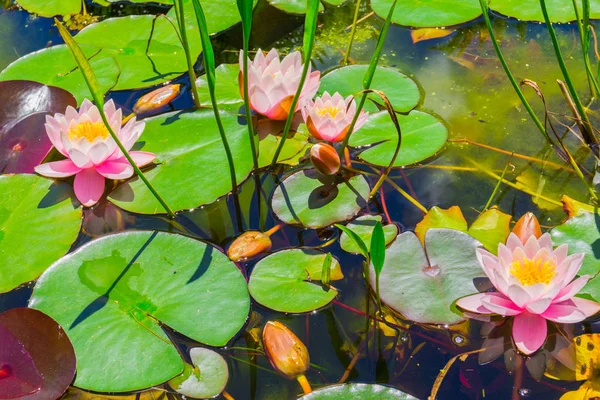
362, 391
50, 8
582, 234
558, 10
423, 135
401, 90
423, 286
293, 6
363, 227
23, 139
313, 200
37, 358
206, 379
112, 296
288, 281
59, 69
39, 221
146, 57
193, 168
429, 13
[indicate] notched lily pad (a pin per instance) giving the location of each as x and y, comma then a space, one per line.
423, 286
401, 90
207, 377
288, 281
122, 288
37, 361
363, 227
423, 135
313, 200
558, 10
362, 391
23, 139
429, 13
53, 220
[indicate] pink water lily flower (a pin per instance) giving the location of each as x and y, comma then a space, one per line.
92, 154
535, 283
329, 117
272, 83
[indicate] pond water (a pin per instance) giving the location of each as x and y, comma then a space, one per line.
462, 82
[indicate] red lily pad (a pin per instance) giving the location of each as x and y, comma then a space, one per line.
37, 360
23, 139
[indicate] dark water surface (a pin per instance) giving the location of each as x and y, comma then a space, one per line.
463, 83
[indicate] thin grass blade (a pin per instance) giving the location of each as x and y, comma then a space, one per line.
356, 239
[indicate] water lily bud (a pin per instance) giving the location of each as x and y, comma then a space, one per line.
249, 245
325, 159
156, 99
526, 226
287, 353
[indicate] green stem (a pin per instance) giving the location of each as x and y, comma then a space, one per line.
93, 84
585, 46
587, 131
179, 11
368, 78
310, 28
489, 202
511, 78
352, 32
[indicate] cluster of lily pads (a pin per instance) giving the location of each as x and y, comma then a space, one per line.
121, 299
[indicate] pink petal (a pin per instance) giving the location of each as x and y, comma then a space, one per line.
473, 304
571, 289
531, 247
539, 306
88, 186
115, 169
518, 295
86, 106
142, 158
53, 131
500, 304
561, 253
58, 169
588, 307
545, 241
564, 313
529, 332
98, 153
513, 242
79, 158
259, 100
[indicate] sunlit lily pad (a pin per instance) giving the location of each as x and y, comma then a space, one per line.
423, 286
491, 227
192, 165
50, 8
429, 13
206, 378
23, 139
363, 227
288, 281
582, 234
401, 90
38, 361
59, 69
227, 90
362, 391
292, 6
313, 200
39, 221
558, 10
123, 287
423, 135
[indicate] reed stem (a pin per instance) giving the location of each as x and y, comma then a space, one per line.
179, 11
584, 34
352, 32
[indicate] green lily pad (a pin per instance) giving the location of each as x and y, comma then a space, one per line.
293, 6
141, 64
313, 200
558, 10
286, 281
206, 379
422, 284
123, 287
362, 391
39, 222
423, 135
402, 91
227, 90
363, 227
429, 13
220, 15
50, 8
192, 165
582, 234
60, 70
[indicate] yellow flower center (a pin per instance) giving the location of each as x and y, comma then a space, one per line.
529, 272
331, 111
88, 130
